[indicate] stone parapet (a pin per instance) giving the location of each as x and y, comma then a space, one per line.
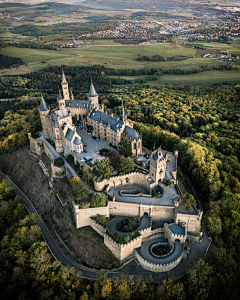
97, 227
153, 267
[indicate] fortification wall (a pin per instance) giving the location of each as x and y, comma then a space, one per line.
114, 247
193, 222
128, 249
48, 152
131, 178
157, 267
123, 209
162, 214
83, 216
97, 227
35, 146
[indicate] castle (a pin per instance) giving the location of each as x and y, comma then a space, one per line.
59, 128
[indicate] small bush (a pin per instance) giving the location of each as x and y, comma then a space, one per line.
168, 182
128, 225
59, 162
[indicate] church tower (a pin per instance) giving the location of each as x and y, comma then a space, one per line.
65, 87
157, 165
61, 101
92, 94
44, 111
123, 115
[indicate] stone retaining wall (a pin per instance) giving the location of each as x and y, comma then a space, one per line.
131, 178
124, 209
97, 227
83, 216
56, 169
153, 267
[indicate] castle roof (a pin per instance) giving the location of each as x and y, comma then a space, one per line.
131, 133
43, 105
63, 77
158, 155
78, 103
92, 92
107, 120
62, 113
51, 115
69, 134
77, 141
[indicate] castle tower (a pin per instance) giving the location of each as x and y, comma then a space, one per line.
123, 115
92, 94
65, 87
61, 101
157, 165
58, 138
44, 111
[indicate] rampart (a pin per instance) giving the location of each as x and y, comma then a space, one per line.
57, 172
153, 267
131, 178
83, 216
172, 237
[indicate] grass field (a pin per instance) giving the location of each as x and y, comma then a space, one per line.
232, 48
33, 55
6, 36
200, 79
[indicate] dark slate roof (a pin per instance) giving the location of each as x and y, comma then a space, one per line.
155, 156
43, 105
131, 133
99, 117
64, 124
77, 141
78, 103
92, 92
56, 125
69, 134
51, 115
177, 229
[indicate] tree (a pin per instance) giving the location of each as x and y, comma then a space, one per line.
169, 290
79, 189
87, 174
188, 200
126, 149
126, 165
103, 168
59, 162
114, 158
199, 280
98, 200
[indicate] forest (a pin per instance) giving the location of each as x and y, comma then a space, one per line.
203, 123
8, 61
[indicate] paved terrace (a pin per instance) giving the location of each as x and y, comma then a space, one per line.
93, 146
169, 195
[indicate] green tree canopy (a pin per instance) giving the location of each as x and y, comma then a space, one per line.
98, 200
188, 200
103, 168
126, 149
126, 165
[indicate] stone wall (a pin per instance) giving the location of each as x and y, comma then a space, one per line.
123, 209
114, 247
83, 216
193, 222
172, 237
97, 227
48, 152
131, 178
157, 267
162, 214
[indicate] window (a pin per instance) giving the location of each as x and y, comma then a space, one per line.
135, 146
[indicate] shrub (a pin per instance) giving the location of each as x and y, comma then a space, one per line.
59, 162
98, 200
102, 220
168, 182
128, 225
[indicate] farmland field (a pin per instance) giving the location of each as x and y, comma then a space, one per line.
235, 48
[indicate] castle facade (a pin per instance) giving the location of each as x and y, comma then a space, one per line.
58, 125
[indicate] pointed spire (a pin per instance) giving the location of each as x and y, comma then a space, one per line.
72, 97
43, 105
63, 77
92, 92
100, 117
108, 122
122, 112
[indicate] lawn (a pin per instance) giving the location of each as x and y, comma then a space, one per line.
6, 36
200, 79
231, 48
33, 55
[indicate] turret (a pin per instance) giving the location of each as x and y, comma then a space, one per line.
61, 101
123, 115
65, 87
44, 111
72, 97
92, 94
